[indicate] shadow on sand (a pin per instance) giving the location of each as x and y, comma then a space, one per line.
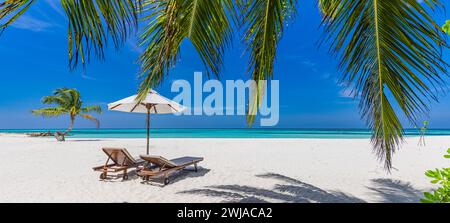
174, 178
177, 177
288, 190
291, 190
395, 191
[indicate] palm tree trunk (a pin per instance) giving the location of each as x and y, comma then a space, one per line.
72, 121
61, 136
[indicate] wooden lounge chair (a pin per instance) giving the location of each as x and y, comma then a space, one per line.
158, 166
121, 161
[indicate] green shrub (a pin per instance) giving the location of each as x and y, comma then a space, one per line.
441, 177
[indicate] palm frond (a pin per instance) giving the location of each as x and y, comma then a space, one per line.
162, 38
391, 52
205, 23
264, 22
10, 10
91, 22
329, 7
54, 100
210, 31
94, 108
69, 103
446, 27
50, 112
89, 117
70, 99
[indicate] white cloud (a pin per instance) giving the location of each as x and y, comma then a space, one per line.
84, 76
309, 63
31, 23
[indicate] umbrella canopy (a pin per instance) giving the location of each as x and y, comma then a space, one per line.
153, 103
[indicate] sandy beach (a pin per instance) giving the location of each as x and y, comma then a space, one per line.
234, 170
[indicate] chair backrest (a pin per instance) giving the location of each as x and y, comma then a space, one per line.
159, 161
120, 156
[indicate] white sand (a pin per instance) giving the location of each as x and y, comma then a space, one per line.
234, 170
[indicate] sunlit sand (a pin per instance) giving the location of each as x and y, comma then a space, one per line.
234, 170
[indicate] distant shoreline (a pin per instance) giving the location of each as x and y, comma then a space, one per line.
226, 133
253, 128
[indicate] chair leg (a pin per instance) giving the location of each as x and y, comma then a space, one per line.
125, 175
166, 180
103, 175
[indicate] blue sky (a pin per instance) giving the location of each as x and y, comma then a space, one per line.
33, 59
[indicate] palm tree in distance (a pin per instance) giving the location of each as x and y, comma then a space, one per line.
69, 103
389, 50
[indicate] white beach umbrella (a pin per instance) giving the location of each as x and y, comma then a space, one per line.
153, 103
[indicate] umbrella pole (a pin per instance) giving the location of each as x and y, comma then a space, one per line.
148, 131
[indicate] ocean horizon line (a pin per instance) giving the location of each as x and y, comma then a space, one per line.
253, 128
226, 133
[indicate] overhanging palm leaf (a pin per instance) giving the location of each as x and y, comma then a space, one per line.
162, 37
13, 8
390, 50
209, 30
91, 22
329, 7
264, 24
205, 23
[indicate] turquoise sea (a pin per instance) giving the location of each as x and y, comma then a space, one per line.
226, 133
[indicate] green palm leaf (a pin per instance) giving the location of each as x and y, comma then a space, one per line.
14, 9
68, 102
329, 7
93, 108
91, 118
264, 22
391, 52
162, 38
209, 30
54, 100
50, 112
203, 22
91, 22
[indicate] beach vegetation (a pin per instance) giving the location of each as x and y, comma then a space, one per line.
439, 177
390, 52
423, 132
68, 102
